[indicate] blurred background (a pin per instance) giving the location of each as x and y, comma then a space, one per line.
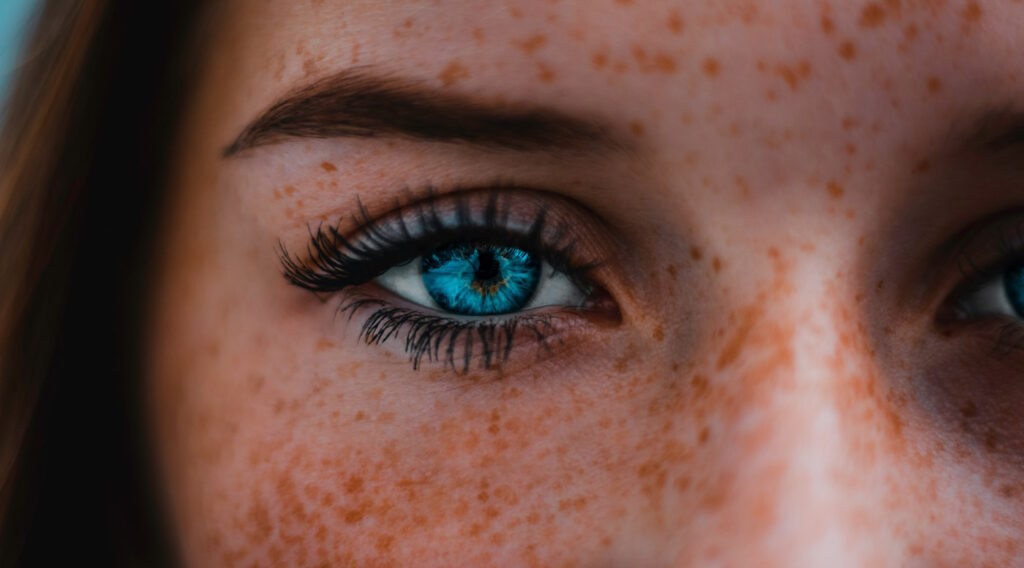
13, 16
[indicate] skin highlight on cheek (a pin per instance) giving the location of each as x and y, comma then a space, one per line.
742, 408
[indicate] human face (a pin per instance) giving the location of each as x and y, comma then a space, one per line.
794, 347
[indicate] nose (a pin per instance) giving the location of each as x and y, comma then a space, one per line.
800, 439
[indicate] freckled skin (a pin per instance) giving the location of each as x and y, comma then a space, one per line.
764, 400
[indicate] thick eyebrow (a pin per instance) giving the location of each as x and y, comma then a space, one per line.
362, 105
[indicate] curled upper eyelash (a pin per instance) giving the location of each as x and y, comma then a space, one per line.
334, 261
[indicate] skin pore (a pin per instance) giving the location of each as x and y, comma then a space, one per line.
785, 203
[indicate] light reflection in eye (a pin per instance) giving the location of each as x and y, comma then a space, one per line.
480, 279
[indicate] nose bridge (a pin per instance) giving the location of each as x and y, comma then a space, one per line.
786, 364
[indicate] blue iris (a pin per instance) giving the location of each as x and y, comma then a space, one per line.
1014, 284
480, 279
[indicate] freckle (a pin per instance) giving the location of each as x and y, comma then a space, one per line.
872, 15
711, 67
328, 167
289, 190
675, 23
835, 190
408, 23
599, 60
827, 25
453, 73
545, 74
354, 516
637, 128
934, 85
671, 269
664, 63
696, 254
478, 35
771, 95
323, 345
910, 32
971, 12
360, 415
850, 214
659, 333
704, 435
716, 264
922, 167
354, 484
309, 65
384, 543
793, 75
288, 212
532, 43
849, 123
848, 51
277, 194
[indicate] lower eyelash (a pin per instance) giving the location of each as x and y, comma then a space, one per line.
438, 338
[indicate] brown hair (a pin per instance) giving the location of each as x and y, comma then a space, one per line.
83, 142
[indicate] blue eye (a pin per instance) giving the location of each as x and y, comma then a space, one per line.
1002, 295
481, 279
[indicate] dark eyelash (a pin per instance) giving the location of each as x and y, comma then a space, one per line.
334, 262
437, 338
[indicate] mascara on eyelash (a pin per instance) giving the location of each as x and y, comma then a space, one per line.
437, 339
334, 261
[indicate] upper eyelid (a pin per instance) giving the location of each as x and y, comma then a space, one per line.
330, 252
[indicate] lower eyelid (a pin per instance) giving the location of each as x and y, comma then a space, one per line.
465, 344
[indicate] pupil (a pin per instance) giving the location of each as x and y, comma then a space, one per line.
480, 279
488, 268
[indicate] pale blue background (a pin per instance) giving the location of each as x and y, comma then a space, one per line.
13, 16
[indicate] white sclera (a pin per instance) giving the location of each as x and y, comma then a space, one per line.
990, 299
554, 288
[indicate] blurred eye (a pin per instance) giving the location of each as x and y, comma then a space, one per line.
1002, 295
481, 279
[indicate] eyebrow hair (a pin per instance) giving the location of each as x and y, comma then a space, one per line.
362, 105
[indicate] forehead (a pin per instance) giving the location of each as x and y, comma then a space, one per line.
800, 88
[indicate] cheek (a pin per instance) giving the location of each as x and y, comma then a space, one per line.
354, 469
